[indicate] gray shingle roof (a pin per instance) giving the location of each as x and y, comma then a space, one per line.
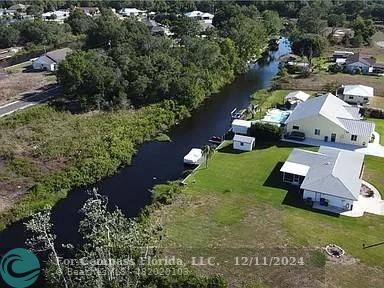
58, 55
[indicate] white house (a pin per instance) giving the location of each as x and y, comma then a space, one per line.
356, 94
328, 118
58, 15
206, 17
50, 60
296, 97
241, 126
329, 177
133, 12
243, 143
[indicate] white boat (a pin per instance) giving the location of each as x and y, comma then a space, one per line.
194, 157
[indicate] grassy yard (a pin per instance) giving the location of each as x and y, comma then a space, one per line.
267, 99
241, 202
379, 128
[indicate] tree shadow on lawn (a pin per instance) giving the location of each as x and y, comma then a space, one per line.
294, 195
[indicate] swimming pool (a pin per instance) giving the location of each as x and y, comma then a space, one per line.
276, 116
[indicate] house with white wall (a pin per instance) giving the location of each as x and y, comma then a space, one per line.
329, 177
328, 118
50, 60
356, 94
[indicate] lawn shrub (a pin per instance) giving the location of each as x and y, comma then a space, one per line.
265, 132
372, 113
166, 193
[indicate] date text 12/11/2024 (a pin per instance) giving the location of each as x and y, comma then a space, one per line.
251, 261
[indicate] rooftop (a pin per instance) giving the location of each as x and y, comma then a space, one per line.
245, 139
335, 110
358, 90
330, 171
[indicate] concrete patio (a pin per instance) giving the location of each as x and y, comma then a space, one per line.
373, 205
374, 149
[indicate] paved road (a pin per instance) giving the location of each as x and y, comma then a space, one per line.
29, 101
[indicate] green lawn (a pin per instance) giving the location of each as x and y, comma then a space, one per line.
379, 129
240, 201
267, 99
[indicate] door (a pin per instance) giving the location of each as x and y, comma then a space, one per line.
333, 137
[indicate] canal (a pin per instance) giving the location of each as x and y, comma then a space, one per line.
157, 162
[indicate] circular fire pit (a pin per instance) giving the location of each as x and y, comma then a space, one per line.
334, 251
366, 191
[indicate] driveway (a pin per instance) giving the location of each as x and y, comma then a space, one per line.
374, 149
29, 101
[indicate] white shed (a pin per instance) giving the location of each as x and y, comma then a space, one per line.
243, 143
241, 126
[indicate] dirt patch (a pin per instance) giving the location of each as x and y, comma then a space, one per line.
321, 81
13, 85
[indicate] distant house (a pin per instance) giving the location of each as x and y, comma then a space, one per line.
206, 17
156, 28
17, 8
243, 143
90, 11
58, 15
132, 12
329, 177
241, 126
341, 56
357, 63
296, 97
356, 94
328, 118
50, 60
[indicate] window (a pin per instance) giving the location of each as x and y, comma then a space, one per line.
241, 144
350, 97
295, 127
317, 131
353, 137
365, 98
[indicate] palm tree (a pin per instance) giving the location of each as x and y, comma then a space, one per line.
207, 153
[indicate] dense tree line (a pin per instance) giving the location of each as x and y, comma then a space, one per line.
124, 64
36, 32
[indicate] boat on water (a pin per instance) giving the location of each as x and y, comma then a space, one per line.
194, 157
215, 140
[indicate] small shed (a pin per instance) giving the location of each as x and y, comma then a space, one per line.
243, 143
241, 126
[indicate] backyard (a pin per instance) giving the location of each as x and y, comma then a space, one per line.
17, 80
239, 201
379, 129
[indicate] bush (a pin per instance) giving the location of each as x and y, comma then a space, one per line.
372, 113
166, 193
265, 132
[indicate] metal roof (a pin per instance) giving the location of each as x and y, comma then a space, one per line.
358, 127
335, 110
299, 95
244, 139
331, 171
243, 123
358, 90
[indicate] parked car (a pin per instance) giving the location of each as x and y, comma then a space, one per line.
295, 135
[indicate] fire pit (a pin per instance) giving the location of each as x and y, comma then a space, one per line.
334, 251
366, 191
